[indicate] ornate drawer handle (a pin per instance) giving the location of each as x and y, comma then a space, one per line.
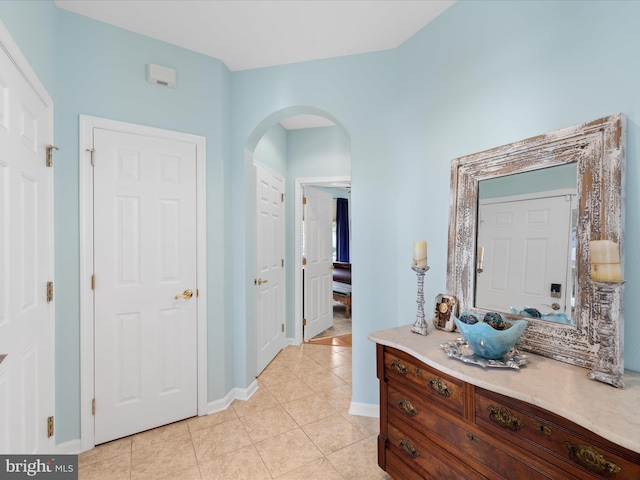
542, 428
407, 407
591, 459
438, 385
505, 418
408, 448
399, 367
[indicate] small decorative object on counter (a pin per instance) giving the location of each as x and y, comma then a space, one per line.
445, 306
493, 337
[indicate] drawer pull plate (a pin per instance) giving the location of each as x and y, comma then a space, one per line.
399, 367
505, 418
408, 448
591, 459
472, 438
439, 386
407, 407
542, 428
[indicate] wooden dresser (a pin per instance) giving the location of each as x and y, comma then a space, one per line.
439, 423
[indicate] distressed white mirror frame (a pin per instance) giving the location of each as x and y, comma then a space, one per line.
596, 339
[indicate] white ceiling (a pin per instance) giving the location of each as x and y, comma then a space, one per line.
248, 34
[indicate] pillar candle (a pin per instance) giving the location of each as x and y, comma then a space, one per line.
420, 253
606, 272
604, 251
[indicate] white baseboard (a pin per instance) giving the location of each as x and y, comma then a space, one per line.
365, 409
72, 447
235, 394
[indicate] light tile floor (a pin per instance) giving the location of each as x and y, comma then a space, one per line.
295, 427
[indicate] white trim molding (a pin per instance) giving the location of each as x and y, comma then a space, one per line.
365, 409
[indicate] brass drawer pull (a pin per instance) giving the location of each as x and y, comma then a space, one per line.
399, 367
505, 418
591, 459
542, 428
407, 407
438, 385
408, 448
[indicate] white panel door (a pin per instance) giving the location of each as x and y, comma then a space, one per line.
526, 249
270, 277
318, 271
145, 259
26, 265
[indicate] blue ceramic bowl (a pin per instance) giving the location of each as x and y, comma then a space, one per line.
488, 342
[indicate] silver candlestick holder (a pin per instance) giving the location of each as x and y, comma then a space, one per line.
420, 325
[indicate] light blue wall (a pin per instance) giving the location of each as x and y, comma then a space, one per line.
271, 150
101, 71
483, 74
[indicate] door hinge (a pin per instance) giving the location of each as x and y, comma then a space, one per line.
282, 263
49, 159
92, 151
93, 282
283, 327
282, 195
304, 260
49, 291
50, 427
93, 406
304, 200
304, 322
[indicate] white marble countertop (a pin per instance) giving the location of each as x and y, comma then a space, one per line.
561, 388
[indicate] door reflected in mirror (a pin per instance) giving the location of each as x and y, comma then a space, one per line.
526, 244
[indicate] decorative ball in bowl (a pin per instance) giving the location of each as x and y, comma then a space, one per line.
484, 338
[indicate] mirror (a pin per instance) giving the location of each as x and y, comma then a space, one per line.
526, 243
596, 150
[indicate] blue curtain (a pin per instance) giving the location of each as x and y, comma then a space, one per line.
342, 230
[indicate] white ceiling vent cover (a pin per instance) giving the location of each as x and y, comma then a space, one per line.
160, 75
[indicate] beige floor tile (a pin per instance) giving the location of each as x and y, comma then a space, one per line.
159, 435
261, 400
289, 391
344, 372
105, 451
244, 463
320, 382
306, 366
276, 374
113, 468
191, 473
215, 441
319, 470
161, 459
339, 398
359, 461
288, 451
333, 433
268, 423
309, 409
369, 425
205, 421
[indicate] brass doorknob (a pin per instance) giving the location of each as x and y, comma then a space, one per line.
261, 281
186, 294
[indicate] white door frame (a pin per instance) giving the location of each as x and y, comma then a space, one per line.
12, 49
87, 124
298, 184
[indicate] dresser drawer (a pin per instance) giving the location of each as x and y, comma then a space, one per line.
433, 385
468, 444
561, 442
408, 448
